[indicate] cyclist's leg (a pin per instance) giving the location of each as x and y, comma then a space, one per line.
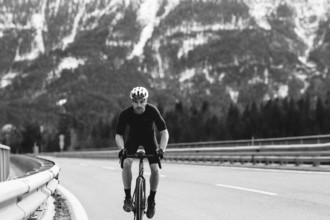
127, 173
154, 177
127, 177
151, 148
127, 181
131, 147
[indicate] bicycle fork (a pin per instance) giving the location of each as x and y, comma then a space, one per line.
141, 177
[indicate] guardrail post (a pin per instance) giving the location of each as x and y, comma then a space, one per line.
297, 161
266, 161
316, 163
253, 160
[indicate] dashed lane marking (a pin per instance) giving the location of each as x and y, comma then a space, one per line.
108, 168
247, 189
83, 164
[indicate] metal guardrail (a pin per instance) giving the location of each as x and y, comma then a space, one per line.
299, 154
314, 139
20, 198
313, 155
4, 162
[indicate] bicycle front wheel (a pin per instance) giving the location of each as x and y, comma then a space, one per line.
139, 199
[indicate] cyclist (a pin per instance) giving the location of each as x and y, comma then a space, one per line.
140, 119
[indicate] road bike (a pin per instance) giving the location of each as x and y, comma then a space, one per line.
139, 196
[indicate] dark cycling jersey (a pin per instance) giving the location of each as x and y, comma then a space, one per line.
140, 128
140, 125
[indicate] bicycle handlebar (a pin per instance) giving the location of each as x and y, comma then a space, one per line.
140, 155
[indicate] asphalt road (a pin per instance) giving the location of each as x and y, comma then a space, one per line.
191, 192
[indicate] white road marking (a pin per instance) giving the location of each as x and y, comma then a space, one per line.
76, 209
279, 170
108, 168
246, 189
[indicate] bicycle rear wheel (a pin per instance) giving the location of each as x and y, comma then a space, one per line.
139, 199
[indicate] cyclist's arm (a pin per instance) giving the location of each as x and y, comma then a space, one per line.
164, 136
120, 129
120, 141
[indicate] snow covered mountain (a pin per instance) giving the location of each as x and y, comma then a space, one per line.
92, 52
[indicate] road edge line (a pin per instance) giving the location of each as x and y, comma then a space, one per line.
77, 211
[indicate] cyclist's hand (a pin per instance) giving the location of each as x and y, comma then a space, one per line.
122, 153
160, 153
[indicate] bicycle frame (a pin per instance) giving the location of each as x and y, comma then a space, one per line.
139, 197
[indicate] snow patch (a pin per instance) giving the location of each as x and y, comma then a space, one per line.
187, 74
255, 80
260, 9
221, 77
147, 16
283, 91
7, 79
232, 93
67, 63
69, 39
61, 102
190, 43
303, 78
208, 76
37, 23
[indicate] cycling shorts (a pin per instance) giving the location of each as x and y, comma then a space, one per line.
149, 145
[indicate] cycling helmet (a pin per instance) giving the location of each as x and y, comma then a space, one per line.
139, 93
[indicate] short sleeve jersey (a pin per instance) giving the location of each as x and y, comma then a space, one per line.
140, 125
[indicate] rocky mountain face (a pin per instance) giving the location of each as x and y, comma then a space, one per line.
87, 54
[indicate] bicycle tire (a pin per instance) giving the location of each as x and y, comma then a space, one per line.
139, 199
